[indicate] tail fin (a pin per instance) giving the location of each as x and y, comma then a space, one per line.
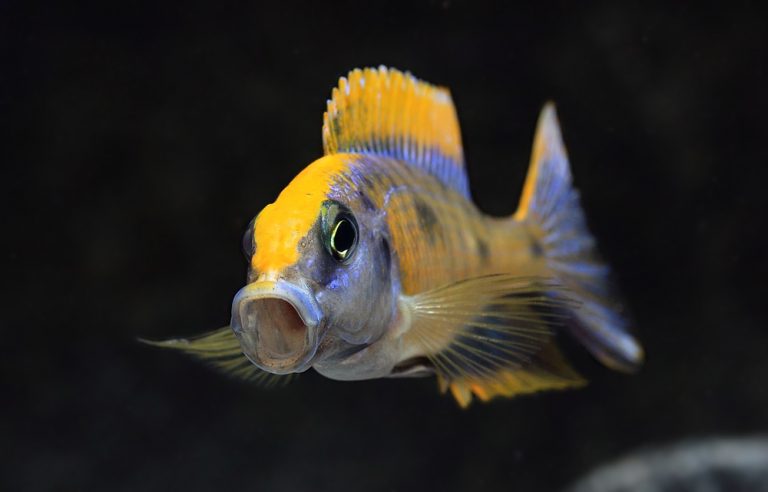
551, 207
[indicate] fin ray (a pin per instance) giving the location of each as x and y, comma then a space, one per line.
486, 334
547, 371
389, 113
551, 207
221, 349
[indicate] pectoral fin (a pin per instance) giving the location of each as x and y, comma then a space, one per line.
492, 336
221, 349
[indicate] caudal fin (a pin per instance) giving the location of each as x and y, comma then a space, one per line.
550, 206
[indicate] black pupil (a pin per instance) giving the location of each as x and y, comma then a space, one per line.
344, 237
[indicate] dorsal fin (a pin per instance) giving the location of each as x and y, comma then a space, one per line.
389, 113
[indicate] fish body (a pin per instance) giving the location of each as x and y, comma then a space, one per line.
375, 262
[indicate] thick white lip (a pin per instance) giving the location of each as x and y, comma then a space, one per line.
306, 306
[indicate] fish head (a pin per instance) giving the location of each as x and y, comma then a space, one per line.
320, 279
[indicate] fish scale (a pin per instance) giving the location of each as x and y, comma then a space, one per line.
450, 252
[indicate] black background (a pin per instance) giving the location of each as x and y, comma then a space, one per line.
139, 139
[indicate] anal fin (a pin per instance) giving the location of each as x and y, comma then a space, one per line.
548, 370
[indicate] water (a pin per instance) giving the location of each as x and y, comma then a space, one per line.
141, 139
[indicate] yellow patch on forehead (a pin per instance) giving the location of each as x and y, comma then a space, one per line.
281, 225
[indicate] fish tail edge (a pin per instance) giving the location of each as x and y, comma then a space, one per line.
550, 208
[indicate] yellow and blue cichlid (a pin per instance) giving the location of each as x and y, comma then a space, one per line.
374, 261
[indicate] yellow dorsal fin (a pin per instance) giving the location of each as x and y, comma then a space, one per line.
389, 113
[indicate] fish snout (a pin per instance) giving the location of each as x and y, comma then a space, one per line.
277, 324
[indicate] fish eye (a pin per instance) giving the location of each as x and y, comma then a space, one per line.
340, 231
249, 245
342, 239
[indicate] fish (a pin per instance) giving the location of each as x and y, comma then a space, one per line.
374, 261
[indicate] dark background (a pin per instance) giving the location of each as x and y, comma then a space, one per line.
138, 140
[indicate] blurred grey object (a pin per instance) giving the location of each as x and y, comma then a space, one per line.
713, 465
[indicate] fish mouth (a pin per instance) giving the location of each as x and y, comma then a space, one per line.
277, 324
